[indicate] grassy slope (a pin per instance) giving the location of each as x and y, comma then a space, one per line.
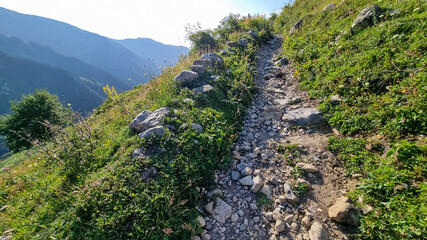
380, 75
85, 185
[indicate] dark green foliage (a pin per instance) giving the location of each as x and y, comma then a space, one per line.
30, 119
203, 41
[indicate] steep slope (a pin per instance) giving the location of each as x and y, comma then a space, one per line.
71, 41
18, 76
161, 54
14, 47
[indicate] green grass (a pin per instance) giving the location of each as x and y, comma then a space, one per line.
85, 185
380, 74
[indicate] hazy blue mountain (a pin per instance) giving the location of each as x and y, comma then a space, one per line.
162, 55
19, 76
71, 41
14, 47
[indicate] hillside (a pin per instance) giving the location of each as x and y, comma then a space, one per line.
19, 76
160, 54
71, 41
237, 148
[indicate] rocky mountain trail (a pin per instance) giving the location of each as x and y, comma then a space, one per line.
283, 179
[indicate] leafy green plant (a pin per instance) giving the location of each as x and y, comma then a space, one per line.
300, 189
27, 123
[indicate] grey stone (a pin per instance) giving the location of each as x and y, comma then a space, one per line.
147, 152
149, 173
243, 43
289, 194
233, 44
201, 221
213, 60
246, 181
344, 211
186, 77
197, 127
203, 89
253, 33
317, 232
295, 27
368, 17
266, 190
222, 211
257, 184
148, 119
201, 62
199, 69
308, 167
158, 131
304, 117
209, 207
282, 62
329, 7
247, 171
235, 175
271, 113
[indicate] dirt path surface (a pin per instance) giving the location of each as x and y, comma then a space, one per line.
282, 148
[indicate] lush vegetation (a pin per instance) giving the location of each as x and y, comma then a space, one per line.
379, 76
84, 184
32, 118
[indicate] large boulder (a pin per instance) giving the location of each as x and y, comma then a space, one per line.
199, 69
158, 131
344, 211
295, 27
148, 119
304, 117
368, 17
213, 60
186, 77
271, 113
222, 211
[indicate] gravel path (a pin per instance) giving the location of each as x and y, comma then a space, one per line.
280, 115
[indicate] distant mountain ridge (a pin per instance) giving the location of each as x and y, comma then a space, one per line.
161, 54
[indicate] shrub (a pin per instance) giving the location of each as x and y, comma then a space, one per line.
28, 121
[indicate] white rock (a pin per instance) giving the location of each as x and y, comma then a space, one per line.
257, 184
280, 226
308, 167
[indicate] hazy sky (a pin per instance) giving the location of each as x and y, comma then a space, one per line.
161, 20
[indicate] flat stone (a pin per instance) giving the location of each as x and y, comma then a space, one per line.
148, 119
344, 211
329, 7
186, 77
209, 207
368, 17
235, 175
280, 226
199, 69
158, 131
289, 194
304, 117
197, 127
222, 211
317, 232
266, 190
246, 181
257, 184
308, 167
203, 89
